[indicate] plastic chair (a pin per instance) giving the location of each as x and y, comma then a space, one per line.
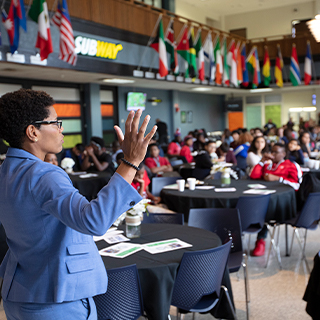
225, 222
173, 218
123, 299
159, 182
176, 162
308, 219
198, 283
252, 212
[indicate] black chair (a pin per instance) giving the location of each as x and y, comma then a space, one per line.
200, 173
197, 286
225, 222
173, 218
159, 182
123, 299
176, 162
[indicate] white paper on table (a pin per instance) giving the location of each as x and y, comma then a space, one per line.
205, 187
256, 186
304, 169
115, 238
88, 175
259, 191
77, 173
225, 189
111, 232
171, 186
121, 250
165, 245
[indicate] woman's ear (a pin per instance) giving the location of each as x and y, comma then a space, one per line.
32, 133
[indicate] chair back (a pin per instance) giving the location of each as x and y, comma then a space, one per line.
225, 222
176, 162
159, 182
173, 218
310, 213
253, 210
200, 274
123, 299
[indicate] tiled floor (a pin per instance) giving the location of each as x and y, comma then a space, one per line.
275, 294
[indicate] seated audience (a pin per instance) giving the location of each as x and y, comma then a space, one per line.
96, 158
274, 167
51, 158
174, 146
75, 153
115, 150
257, 132
304, 140
241, 151
294, 152
257, 148
185, 150
270, 125
235, 136
156, 163
141, 183
161, 152
198, 145
227, 137
281, 137
203, 159
225, 154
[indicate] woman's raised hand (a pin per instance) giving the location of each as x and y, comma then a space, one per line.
134, 143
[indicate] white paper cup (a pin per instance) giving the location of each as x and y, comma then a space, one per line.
311, 163
181, 184
317, 165
192, 183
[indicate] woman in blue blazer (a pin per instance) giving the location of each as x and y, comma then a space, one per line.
53, 268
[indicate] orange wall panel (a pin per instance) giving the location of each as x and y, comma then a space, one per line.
67, 110
107, 110
235, 120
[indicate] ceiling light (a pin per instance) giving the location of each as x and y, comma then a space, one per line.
305, 109
201, 89
119, 81
261, 90
314, 26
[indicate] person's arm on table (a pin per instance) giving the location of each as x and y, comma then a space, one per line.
294, 177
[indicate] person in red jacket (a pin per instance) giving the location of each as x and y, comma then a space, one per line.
273, 167
156, 163
185, 150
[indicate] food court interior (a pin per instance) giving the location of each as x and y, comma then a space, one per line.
92, 96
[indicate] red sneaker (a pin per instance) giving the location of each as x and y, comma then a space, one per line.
259, 249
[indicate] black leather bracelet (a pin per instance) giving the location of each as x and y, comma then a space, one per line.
130, 164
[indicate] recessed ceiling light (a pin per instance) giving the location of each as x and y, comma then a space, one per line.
117, 80
261, 90
201, 89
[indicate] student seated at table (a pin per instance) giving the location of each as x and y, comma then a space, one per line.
258, 147
141, 183
225, 154
204, 158
156, 163
274, 167
75, 153
51, 158
294, 152
186, 149
96, 158
174, 146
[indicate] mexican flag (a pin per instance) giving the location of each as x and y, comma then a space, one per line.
39, 13
200, 55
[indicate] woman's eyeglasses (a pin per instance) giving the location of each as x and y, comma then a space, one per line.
58, 123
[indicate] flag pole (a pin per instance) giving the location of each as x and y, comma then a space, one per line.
29, 6
3, 2
312, 62
149, 41
181, 33
53, 6
167, 30
251, 53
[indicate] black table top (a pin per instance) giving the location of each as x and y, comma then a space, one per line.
282, 205
157, 272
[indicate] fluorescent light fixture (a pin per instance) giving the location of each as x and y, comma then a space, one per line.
118, 80
201, 89
314, 26
261, 90
305, 109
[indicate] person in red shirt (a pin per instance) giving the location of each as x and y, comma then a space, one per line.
185, 150
274, 167
141, 183
156, 163
174, 147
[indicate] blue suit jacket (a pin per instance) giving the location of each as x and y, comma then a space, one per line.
49, 226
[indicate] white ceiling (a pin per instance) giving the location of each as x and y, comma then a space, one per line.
227, 7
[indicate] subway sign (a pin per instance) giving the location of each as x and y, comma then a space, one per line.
95, 48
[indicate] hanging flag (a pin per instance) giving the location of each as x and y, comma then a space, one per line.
254, 67
62, 20
200, 55
294, 68
158, 44
171, 48
239, 64
12, 22
278, 68
266, 67
218, 60
183, 49
192, 55
245, 74
226, 77
209, 56
307, 66
232, 63
39, 13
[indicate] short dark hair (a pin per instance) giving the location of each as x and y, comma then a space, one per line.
235, 131
153, 145
224, 147
209, 141
80, 147
98, 141
18, 110
283, 146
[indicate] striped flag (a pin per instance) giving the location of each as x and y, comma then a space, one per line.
209, 56
218, 60
294, 67
62, 20
183, 49
171, 47
239, 64
278, 68
226, 77
254, 66
266, 67
232, 63
245, 75
200, 55
307, 66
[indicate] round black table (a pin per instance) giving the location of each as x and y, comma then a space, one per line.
282, 205
90, 187
157, 272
